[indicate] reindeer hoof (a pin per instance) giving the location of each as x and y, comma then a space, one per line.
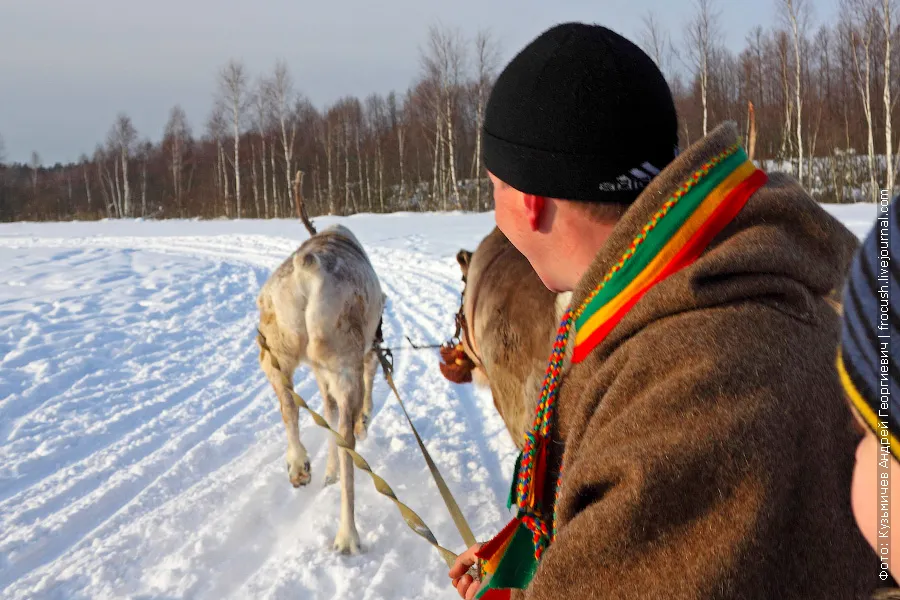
299, 476
347, 544
330, 480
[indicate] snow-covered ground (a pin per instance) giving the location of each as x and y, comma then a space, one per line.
141, 449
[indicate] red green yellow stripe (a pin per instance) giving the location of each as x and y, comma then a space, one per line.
491, 552
516, 562
691, 215
592, 321
721, 214
660, 227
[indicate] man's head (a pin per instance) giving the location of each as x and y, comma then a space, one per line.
870, 374
576, 126
558, 237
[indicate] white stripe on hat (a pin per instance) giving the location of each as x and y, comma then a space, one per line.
650, 168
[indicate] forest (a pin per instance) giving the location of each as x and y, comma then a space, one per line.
817, 100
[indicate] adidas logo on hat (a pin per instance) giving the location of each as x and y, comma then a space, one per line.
635, 179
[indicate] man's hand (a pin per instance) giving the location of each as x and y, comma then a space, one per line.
464, 584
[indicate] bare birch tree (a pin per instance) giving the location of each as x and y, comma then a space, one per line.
176, 139
888, 8
657, 42
85, 162
216, 127
276, 204
35, 165
144, 151
377, 117
345, 129
486, 60
861, 18
400, 118
281, 88
121, 139
325, 136
233, 90
796, 14
703, 35
99, 159
444, 62
261, 103
358, 125
787, 136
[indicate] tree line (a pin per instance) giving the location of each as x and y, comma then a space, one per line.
818, 101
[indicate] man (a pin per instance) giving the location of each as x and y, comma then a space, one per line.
700, 431
867, 365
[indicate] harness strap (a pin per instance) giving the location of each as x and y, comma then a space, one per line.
386, 359
413, 520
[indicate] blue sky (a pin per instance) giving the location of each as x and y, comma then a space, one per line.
67, 68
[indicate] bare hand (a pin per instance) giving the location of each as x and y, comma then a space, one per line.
462, 581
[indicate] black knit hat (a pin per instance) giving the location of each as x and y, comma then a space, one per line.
867, 362
580, 114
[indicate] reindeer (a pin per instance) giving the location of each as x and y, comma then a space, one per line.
322, 308
508, 327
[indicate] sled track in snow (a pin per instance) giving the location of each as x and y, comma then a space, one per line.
143, 451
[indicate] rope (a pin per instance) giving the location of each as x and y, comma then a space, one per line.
413, 520
413, 346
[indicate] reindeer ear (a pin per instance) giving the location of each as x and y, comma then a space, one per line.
464, 257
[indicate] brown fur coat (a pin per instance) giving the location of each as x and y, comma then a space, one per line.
708, 450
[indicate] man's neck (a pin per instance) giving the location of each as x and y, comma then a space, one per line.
582, 239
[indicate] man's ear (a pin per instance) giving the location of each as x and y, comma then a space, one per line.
534, 208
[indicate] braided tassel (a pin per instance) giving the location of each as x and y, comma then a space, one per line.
529, 485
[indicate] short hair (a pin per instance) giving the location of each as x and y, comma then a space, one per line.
602, 212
